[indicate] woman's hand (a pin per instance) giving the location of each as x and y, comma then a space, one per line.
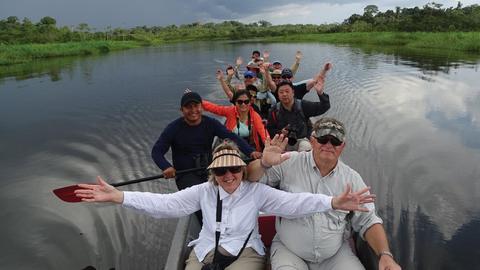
353, 201
103, 192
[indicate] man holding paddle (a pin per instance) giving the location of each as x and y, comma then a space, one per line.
190, 137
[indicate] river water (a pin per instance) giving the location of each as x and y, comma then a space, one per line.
413, 120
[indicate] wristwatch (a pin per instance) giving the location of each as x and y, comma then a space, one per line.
388, 253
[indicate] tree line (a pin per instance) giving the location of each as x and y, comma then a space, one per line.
432, 17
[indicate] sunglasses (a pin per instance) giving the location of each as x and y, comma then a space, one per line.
276, 77
240, 102
248, 77
286, 77
325, 139
223, 170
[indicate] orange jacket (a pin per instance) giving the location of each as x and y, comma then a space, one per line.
231, 113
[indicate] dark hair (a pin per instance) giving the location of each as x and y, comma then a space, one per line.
251, 87
240, 93
284, 82
256, 52
229, 67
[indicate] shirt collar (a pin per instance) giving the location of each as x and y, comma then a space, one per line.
224, 194
311, 163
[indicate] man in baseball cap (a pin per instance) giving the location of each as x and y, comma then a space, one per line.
298, 241
190, 97
190, 137
329, 127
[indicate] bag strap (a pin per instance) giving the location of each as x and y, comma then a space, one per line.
217, 230
244, 245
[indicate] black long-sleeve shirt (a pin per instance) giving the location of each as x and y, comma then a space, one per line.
189, 141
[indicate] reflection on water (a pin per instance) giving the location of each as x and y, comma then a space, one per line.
413, 134
53, 69
429, 61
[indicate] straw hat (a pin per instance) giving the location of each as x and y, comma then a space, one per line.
226, 158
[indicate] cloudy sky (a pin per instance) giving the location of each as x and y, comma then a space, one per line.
129, 13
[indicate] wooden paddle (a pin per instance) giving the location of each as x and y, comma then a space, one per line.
67, 194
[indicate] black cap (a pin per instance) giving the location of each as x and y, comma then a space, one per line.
190, 97
287, 72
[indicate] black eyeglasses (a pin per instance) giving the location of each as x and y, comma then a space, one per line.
325, 139
223, 170
240, 102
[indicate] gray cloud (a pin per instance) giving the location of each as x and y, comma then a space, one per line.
127, 13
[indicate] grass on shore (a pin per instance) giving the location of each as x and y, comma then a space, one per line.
457, 41
460, 41
17, 54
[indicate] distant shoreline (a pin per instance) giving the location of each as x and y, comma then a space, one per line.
456, 41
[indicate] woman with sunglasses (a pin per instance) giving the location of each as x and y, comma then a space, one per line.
230, 206
242, 119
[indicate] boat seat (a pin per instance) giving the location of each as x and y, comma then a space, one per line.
266, 228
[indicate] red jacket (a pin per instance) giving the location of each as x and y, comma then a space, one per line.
231, 113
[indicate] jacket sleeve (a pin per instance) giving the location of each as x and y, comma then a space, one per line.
258, 125
161, 147
222, 132
271, 97
316, 108
216, 109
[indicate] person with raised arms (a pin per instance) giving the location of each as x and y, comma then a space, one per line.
229, 237
291, 116
241, 118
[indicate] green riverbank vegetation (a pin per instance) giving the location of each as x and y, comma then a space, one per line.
458, 41
22, 53
430, 26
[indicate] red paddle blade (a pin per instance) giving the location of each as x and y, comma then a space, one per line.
67, 194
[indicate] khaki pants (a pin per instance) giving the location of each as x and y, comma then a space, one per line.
248, 260
283, 259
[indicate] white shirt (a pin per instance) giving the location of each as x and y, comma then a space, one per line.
239, 211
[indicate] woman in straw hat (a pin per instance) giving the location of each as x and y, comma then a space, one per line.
233, 241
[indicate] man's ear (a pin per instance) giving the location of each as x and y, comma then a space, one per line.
344, 143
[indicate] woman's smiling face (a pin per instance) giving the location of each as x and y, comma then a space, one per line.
229, 178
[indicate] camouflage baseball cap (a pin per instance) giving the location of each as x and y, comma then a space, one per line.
329, 126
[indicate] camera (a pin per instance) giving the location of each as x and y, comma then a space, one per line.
292, 135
